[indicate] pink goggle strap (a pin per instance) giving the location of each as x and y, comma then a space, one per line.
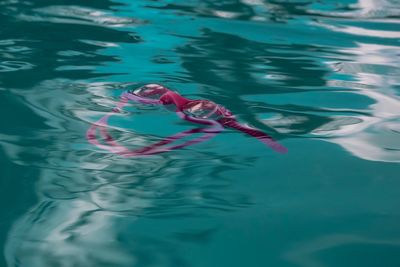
159, 147
263, 137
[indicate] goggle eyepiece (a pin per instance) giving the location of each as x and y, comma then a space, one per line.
153, 91
203, 109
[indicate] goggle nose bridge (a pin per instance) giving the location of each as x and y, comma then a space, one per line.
161, 91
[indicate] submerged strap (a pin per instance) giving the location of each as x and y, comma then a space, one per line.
263, 137
159, 147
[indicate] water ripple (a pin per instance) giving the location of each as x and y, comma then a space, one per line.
6, 66
77, 15
320, 76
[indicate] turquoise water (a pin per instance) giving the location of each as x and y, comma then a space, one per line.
322, 77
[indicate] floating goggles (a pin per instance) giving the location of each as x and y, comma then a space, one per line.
203, 112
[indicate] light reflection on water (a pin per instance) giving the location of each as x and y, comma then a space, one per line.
320, 76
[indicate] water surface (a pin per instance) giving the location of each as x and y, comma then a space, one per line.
322, 77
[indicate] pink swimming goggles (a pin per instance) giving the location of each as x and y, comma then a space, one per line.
203, 112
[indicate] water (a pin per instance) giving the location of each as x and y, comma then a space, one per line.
322, 77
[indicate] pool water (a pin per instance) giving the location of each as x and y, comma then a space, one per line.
321, 77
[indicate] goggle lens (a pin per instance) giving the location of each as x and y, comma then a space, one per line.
202, 109
153, 91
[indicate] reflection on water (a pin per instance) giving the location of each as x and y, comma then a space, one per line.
310, 253
373, 137
84, 195
320, 76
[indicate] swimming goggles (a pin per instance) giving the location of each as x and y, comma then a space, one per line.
204, 112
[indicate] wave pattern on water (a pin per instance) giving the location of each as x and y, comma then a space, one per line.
322, 77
